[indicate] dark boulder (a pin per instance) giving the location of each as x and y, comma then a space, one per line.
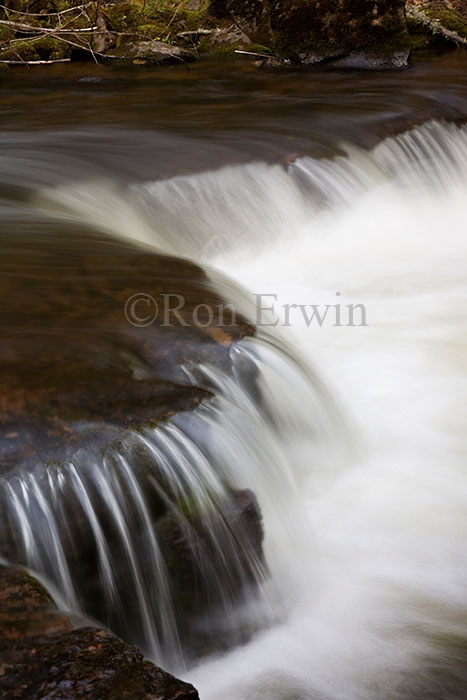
373, 28
212, 558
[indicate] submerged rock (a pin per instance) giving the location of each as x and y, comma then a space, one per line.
42, 656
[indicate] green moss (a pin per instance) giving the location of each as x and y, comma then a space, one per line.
224, 50
5, 33
124, 17
414, 26
192, 509
421, 41
194, 18
49, 48
203, 45
151, 31
19, 51
450, 19
259, 48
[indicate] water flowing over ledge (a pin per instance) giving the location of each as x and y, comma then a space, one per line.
363, 596
186, 478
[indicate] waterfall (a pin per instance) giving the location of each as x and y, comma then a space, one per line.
96, 526
358, 464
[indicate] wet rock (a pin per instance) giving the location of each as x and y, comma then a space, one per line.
188, 548
226, 39
367, 61
27, 611
152, 51
203, 574
273, 62
41, 656
313, 58
102, 38
75, 369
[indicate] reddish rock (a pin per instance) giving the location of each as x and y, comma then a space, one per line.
42, 657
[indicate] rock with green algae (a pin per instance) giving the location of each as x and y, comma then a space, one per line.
41, 656
214, 557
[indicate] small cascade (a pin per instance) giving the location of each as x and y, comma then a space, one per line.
357, 591
160, 538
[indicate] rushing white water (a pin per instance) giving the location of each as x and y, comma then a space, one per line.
365, 543
379, 601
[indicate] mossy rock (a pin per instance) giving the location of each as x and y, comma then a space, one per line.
5, 33
49, 48
155, 30
293, 26
124, 16
20, 51
450, 19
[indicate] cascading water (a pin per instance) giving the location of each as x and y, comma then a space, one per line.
382, 602
186, 479
363, 496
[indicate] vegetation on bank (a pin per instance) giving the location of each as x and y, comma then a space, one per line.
59, 30
143, 31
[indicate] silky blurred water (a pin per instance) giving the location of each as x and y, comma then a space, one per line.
366, 549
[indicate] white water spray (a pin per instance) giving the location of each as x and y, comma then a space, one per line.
366, 546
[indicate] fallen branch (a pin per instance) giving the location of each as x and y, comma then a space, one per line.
56, 35
253, 53
35, 63
435, 26
46, 14
44, 30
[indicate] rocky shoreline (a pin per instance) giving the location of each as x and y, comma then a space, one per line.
351, 34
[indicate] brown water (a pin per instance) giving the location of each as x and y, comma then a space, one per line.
148, 122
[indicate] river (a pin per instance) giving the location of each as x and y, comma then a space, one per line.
309, 189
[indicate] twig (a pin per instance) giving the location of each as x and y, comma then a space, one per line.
56, 35
45, 30
46, 14
35, 63
253, 53
174, 15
